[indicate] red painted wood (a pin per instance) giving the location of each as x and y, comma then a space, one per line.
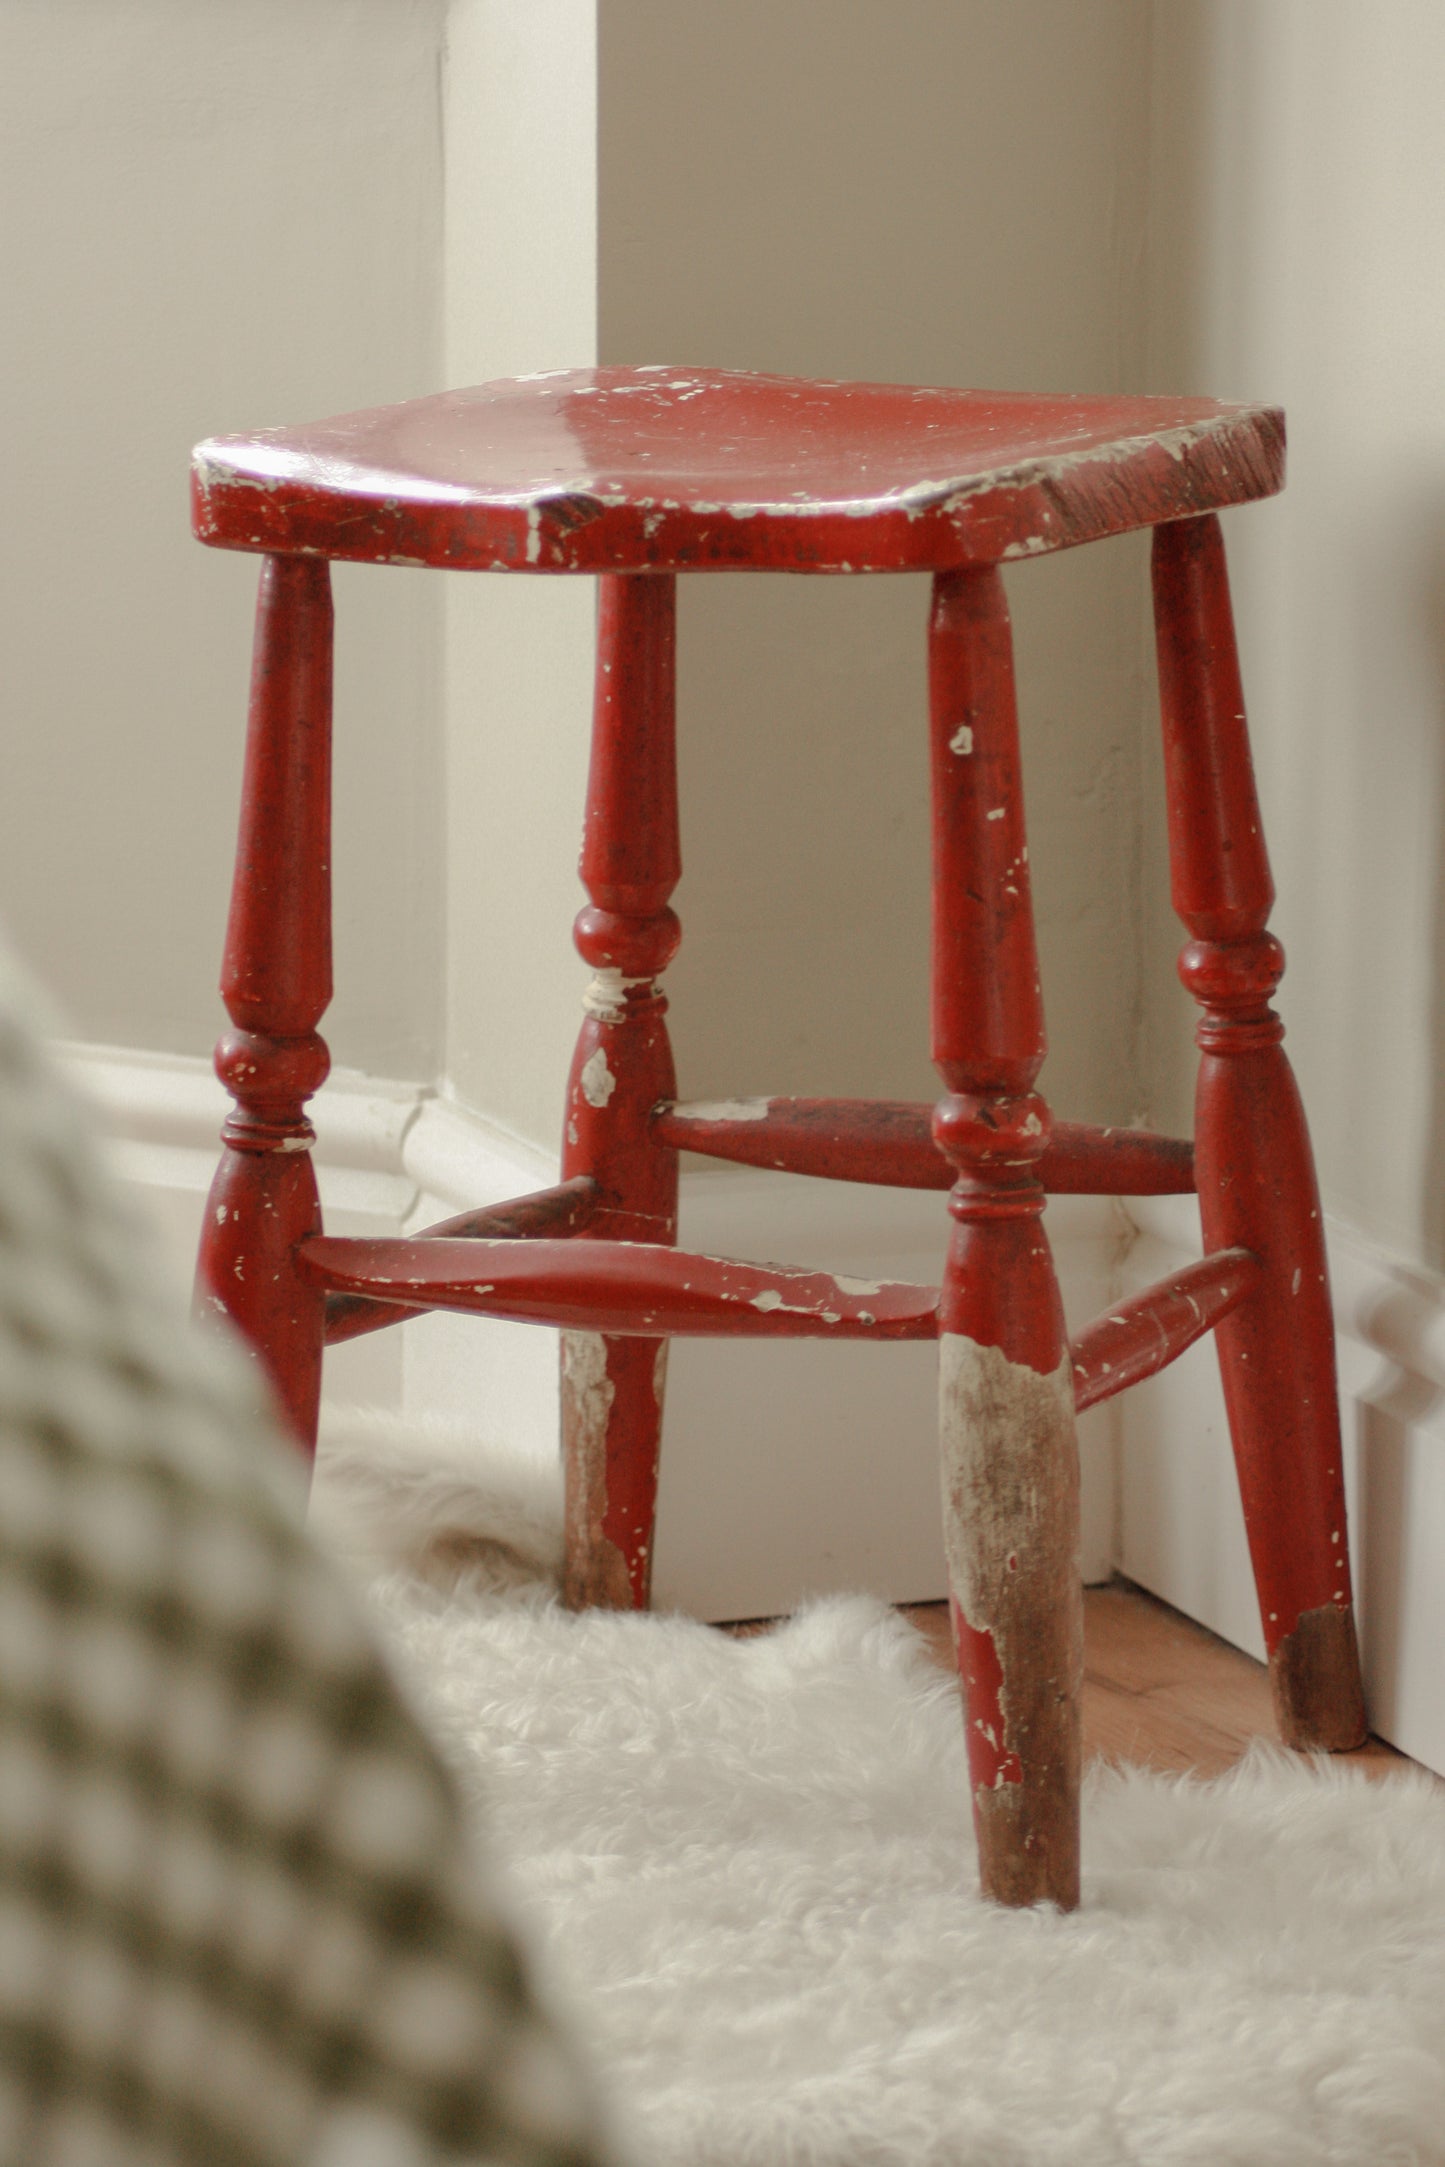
612, 469
276, 983
622, 1068
1254, 1168
565, 1209
1151, 1329
634, 473
1010, 1464
638, 1290
890, 1143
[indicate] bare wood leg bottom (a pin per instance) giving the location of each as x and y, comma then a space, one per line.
1314, 1677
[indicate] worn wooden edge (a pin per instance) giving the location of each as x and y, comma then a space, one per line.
1314, 1675
251, 495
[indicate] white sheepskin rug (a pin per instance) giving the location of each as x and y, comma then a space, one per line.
749, 1874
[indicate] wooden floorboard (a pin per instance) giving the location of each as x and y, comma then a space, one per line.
1160, 1690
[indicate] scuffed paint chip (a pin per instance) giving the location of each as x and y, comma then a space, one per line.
598, 1081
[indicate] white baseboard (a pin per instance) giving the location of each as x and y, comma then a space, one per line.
789, 1468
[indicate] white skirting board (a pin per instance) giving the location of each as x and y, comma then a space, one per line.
793, 1468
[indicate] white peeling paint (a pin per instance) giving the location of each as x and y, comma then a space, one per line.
725, 1110
606, 994
996, 813
769, 1299
597, 1079
961, 741
856, 1286
534, 534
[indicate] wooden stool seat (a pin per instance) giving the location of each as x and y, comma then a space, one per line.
595, 470
636, 475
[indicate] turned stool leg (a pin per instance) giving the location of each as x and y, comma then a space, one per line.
1010, 1459
1254, 1170
276, 982
622, 1069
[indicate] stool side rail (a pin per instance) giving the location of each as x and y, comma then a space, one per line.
565, 1209
650, 1289
619, 1287
1138, 1337
889, 1143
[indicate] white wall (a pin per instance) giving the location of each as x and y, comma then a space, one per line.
936, 191
236, 212
214, 214
828, 188
1299, 199
521, 295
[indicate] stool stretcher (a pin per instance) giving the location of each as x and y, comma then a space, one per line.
624, 1288
889, 1142
565, 1209
1143, 1335
647, 1289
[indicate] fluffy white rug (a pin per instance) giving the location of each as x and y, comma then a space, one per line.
750, 1873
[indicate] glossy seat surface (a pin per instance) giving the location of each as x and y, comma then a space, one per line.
669, 468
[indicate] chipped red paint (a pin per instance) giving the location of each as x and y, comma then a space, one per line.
1144, 1333
890, 1143
639, 473
276, 983
628, 1288
999, 1289
990, 1760
567, 1208
598, 470
1255, 1170
631, 862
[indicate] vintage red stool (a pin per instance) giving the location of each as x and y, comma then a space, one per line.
635, 475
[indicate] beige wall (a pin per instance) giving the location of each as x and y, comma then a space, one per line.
236, 213
521, 295
935, 191
1298, 254
828, 188
216, 214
